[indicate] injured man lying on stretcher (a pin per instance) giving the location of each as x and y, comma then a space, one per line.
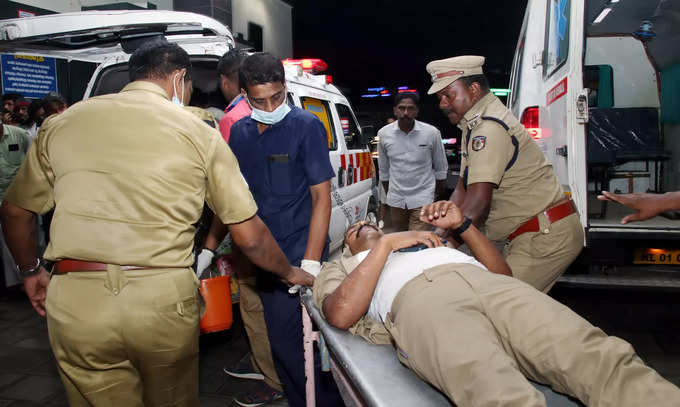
472, 331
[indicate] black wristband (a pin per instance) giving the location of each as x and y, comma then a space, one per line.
463, 226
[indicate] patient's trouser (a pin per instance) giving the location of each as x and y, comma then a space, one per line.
475, 336
126, 337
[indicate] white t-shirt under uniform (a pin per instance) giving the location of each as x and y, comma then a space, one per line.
402, 267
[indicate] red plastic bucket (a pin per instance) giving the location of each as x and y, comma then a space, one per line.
216, 292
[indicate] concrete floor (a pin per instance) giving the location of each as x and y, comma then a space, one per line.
28, 375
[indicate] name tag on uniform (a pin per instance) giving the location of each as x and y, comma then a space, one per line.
13, 147
279, 158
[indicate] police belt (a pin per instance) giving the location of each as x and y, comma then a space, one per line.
555, 213
69, 265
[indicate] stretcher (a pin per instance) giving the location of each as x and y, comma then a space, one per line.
371, 375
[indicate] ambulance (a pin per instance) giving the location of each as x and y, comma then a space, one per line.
597, 85
85, 54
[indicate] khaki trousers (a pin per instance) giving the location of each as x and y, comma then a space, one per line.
476, 336
252, 314
540, 258
126, 338
407, 219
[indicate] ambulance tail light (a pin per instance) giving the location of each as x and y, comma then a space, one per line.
311, 65
530, 121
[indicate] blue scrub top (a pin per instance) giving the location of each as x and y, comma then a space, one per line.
280, 165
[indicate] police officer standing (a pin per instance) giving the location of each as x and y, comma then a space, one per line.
506, 185
127, 175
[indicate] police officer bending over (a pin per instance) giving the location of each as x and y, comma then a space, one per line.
506, 184
127, 175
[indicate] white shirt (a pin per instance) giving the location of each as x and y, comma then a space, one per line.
411, 162
402, 267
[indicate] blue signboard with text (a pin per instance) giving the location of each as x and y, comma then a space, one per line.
32, 76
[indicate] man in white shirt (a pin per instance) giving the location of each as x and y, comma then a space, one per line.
473, 334
411, 163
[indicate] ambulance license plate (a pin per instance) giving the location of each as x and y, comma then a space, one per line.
656, 256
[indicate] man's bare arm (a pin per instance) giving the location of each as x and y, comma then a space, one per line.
257, 243
646, 205
447, 215
217, 232
458, 195
351, 299
477, 202
318, 223
19, 228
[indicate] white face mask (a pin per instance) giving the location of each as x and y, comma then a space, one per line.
175, 99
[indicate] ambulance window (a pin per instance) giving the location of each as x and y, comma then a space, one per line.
350, 128
321, 109
557, 35
599, 80
517, 63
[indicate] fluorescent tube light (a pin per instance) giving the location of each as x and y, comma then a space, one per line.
602, 15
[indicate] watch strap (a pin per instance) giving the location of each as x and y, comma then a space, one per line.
463, 226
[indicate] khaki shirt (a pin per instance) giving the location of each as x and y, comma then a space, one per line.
128, 174
330, 277
523, 190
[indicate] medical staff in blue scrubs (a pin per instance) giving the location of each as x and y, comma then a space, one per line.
283, 155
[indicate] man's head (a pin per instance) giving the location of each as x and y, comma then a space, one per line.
8, 101
361, 236
263, 81
459, 83
36, 111
54, 103
406, 108
227, 70
21, 110
163, 63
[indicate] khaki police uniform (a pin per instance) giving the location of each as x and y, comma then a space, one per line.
250, 304
497, 149
477, 336
127, 175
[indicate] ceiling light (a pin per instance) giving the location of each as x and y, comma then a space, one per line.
602, 15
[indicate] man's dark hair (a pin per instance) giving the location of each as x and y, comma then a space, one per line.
259, 69
406, 95
230, 63
11, 96
157, 59
480, 79
52, 102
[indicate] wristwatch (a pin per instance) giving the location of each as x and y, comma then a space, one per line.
31, 271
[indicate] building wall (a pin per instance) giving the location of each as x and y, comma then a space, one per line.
68, 6
276, 20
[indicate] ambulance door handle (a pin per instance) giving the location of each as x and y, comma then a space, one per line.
341, 177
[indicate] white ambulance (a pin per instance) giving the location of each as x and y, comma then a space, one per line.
597, 83
87, 54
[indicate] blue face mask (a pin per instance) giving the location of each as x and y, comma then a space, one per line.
270, 117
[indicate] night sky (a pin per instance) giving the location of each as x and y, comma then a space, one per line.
388, 43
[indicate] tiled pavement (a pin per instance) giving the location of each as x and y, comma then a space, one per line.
28, 376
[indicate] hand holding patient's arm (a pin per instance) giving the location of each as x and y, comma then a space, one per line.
445, 214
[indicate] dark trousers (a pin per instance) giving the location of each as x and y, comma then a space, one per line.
282, 313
